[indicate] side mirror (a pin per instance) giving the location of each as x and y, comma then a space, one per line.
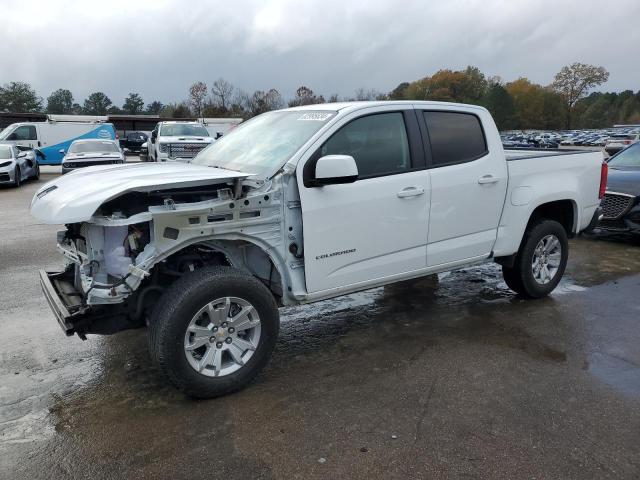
218, 135
61, 151
334, 169
39, 153
154, 135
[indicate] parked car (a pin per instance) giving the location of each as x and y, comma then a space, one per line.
132, 141
301, 205
617, 142
177, 141
89, 153
17, 166
144, 152
621, 204
55, 135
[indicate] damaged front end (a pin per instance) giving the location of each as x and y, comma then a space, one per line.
109, 243
120, 259
104, 265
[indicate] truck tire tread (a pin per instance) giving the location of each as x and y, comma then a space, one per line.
519, 278
176, 308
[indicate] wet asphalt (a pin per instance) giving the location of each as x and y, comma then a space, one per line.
445, 377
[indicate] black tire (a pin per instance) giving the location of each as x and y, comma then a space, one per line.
17, 177
512, 279
520, 278
181, 302
36, 175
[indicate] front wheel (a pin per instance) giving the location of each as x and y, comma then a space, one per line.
17, 177
213, 331
541, 260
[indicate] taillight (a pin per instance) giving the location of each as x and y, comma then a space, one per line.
604, 172
627, 142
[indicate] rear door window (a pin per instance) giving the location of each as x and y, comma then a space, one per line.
455, 137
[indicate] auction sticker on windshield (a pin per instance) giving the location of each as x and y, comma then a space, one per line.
315, 116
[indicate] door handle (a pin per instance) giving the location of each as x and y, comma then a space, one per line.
488, 179
410, 192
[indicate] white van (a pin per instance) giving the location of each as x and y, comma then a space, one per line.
54, 136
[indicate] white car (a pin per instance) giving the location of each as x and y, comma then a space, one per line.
301, 205
177, 141
17, 166
618, 141
91, 152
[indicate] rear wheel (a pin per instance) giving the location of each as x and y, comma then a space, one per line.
213, 331
541, 260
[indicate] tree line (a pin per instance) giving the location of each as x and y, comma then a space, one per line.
519, 104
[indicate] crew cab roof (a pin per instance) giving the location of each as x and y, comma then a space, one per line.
351, 106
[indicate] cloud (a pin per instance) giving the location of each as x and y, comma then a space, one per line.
160, 47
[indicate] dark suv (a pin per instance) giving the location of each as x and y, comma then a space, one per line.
132, 141
621, 203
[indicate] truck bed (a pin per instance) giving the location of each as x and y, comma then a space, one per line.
539, 176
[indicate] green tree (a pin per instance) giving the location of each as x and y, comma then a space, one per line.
466, 86
574, 81
60, 101
398, 93
18, 97
498, 101
528, 100
96, 104
181, 110
133, 104
552, 110
154, 108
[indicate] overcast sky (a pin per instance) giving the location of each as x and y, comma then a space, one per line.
159, 47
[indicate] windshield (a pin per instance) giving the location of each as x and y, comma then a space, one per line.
5, 153
264, 143
629, 157
183, 130
93, 147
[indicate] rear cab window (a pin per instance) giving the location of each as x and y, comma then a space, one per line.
454, 137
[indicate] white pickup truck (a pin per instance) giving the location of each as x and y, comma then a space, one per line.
177, 141
301, 205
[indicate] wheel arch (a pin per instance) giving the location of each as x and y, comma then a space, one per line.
245, 253
564, 211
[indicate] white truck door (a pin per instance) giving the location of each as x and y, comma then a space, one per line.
468, 185
25, 135
376, 226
